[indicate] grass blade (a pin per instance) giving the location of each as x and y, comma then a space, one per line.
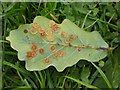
82, 83
50, 83
103, 75
16, 67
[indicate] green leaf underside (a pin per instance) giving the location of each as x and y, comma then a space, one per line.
83, 46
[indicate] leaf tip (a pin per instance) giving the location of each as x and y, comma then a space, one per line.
8, 38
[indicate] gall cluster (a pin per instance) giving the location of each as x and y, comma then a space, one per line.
59, 54
35, 28
33, 52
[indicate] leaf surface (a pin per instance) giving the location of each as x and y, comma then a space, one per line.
45, 43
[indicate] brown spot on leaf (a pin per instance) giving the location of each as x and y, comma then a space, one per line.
41, 50
47, 60
52, 48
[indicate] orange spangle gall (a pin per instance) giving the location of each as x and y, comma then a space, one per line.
35, 25
48, 32
47, 60
35, 28
51, 23
34, 47
33, 31
52, 48
55, 55
42, 33
40, 30
50, 38
34, 53
55, 28
63, 34
61, 53
41, 51
67, 40
71, 36
31, 54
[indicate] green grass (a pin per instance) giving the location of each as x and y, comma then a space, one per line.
101, 17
